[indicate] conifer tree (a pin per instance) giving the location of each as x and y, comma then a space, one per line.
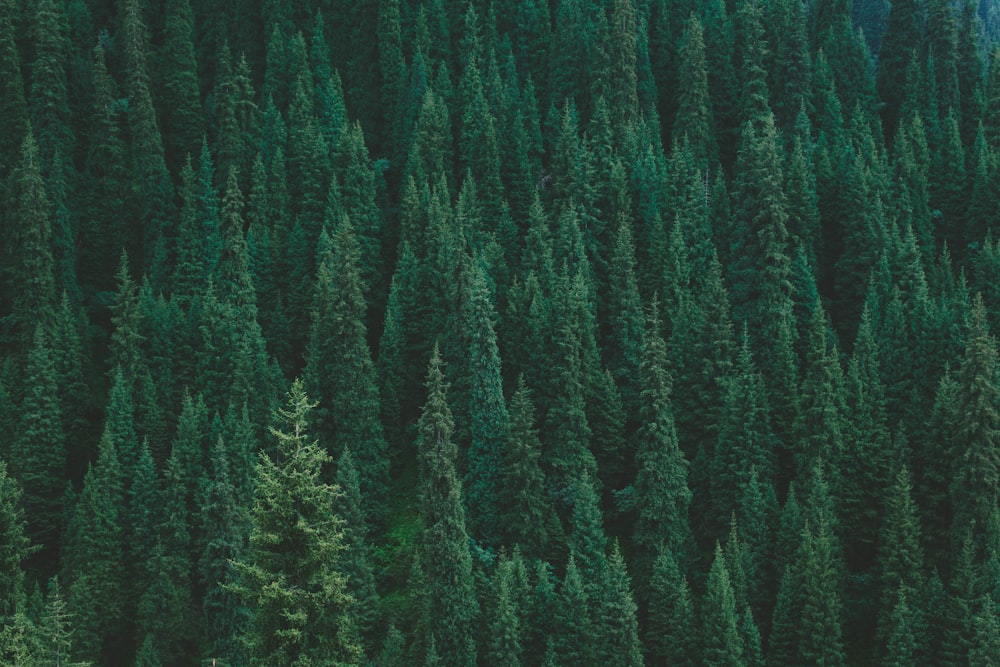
339, 368
573, 635
357, 559
97, 571
525, 511
488, 412
669, 621
976, 418
694, 114
38, 454
14, 105
444, 545
30, 276
617, 623
720, 624
151, 176
661, 488
16, 547
291, 576
178, 79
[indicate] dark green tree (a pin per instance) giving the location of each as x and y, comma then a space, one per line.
339, 369
661, 491
487, 411
38, 455
444, 544
526, 514
722, 644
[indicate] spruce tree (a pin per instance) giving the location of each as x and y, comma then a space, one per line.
291, 576
661, 489
339, 369
38, 454
722, 645
488, 412
444, 544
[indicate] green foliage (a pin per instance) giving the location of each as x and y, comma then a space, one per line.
444, 545
291, 577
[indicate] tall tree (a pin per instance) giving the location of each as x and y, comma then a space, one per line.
291, 576
444, 545
38, 454
339, 369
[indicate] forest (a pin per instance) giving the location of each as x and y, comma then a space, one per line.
499, 333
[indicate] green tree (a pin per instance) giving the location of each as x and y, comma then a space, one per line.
291, 576
339, 369
30, 276
153, 228
444, 544
669, 629
617, 623
661, 489
488, 413
177, 74
38, 455
976, 414
694, 113
96, 565
900, 46
526, 514
900, 559
357, 558
722, 644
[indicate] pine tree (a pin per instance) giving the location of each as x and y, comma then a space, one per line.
661, 490
339, 369
669, 628
151, 176
573, 632
976, 418
15, 547
694, 115
722, 644
291, 577
902, 645
96, 567
488, 412
617, 624
505, 630
900, 554
38, 454
900, 46
178, 79
525, 511
444, 546
30, 276
357, 559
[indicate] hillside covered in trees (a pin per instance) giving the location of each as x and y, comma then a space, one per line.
499, 332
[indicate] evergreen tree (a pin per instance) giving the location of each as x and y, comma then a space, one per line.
30, 277
38, 455
97, 569
617, 624
661, 490
444, 546
178, 79
16, 547
291, 577
525, 511
339, 368
357, 559
720, 625
976, 419
488, 412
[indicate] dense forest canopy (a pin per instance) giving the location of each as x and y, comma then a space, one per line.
499, 332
